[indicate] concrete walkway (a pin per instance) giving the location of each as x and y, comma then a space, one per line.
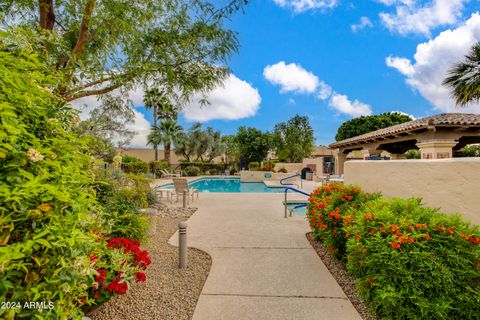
263, 265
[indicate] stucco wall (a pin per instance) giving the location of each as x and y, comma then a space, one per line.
257, 176
450, 184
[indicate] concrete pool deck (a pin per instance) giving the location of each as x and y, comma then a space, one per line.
263, 267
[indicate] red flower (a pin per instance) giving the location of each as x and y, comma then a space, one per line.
93, 257
372, 283
395, 245
96, 295
101, 276
140, 276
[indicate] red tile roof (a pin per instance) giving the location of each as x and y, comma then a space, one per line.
440, 120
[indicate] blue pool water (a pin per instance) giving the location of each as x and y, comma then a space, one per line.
227, 185
297, 211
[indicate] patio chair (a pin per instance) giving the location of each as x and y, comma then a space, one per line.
166, 174
181, 184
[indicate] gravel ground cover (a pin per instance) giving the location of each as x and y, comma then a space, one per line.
169, 293
346, 281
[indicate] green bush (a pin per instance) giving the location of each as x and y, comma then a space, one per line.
268, 165
127, 224
253, 166
191, 171
45, 198
135, 167
157, 166
413, 154
330, 208
283, 170
413, 262
129, 159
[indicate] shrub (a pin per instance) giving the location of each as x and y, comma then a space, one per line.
212, 172
329, 208
283, 170
127, 224
135, 167
233, 171
156, 166
116, 263
253, 166
191, 171
45, 195
129, 159
412, 262
413, 154
268, 165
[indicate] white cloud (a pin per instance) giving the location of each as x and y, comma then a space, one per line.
405, 114
291, 77
292, 101
299, 6
354, 108
364, 23
236, 99
325, 91
432, 61
141, 127
412, 17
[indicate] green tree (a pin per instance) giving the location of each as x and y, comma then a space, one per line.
162, 108
166, 133
365, 124
102, 45
294, 140
464, 78
253, 144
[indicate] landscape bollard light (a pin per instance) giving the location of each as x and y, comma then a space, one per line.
182, 245
185, 198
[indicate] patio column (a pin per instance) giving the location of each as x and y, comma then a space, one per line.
340, 159
436, 149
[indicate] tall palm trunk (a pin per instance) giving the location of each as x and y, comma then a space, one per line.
155, 111
167, 152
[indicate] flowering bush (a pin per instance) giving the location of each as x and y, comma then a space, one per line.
413, 262
330, 208
118, 262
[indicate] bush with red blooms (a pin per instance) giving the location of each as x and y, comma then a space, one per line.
118, 263
330, 208
412, 262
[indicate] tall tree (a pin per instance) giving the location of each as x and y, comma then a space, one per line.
154, 99
103, 45
253, 144
464, 78
365, 124
166, 133
294, 139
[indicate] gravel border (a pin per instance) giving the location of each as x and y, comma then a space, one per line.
169, 292
340, 274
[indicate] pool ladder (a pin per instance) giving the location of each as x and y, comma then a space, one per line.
285, 203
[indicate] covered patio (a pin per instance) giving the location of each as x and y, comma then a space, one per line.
437, 137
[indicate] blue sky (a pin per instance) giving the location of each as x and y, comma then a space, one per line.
333, 60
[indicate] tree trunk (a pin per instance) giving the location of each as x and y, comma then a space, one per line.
47, 15
167, 152
155, 124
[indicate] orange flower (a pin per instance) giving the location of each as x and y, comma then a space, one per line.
45, 207
372, 283
395, 245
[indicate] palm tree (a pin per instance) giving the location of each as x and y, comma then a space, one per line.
167, 134
152, 100
464, 78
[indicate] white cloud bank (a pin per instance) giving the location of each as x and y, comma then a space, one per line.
363, 24
414, 16
432, 61
235, 99
299, 6
293, 78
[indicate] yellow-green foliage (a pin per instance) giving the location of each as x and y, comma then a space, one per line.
45, 200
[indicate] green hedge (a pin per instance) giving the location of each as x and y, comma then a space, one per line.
410, 262
205, 167
191, 171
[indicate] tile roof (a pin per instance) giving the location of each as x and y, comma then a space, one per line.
440, 120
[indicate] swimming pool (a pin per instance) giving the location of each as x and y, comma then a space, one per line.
227, 185
302, 211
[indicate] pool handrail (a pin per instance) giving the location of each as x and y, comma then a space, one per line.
288, 184
285, 202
